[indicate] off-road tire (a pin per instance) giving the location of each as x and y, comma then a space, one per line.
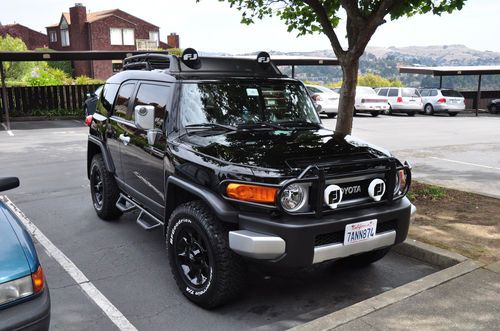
428, 109
106, 209
364, 259
227, 276
452, 114
374, 113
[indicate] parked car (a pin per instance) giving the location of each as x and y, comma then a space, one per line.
442, 101
494, 106
90, 103
24, 296
326, 98
367, 101
230, 160
401, 100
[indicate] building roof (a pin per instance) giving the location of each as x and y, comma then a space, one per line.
452, 71
96, 16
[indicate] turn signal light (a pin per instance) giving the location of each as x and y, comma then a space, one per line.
88, 120
254, 193
37, 278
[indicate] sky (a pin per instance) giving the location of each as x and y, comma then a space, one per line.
212, 26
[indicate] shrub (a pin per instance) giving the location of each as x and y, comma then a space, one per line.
84, 80
46, 76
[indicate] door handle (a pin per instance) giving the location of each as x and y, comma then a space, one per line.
124, 139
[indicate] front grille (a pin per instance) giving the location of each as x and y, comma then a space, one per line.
338, 236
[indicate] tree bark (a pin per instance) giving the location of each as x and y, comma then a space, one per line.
350, 67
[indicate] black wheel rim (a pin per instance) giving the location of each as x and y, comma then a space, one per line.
192, 257
97, 187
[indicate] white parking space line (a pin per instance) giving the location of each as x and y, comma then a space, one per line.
9, 132
465, 163
86, 285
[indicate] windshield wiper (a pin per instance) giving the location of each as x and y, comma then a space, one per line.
210, 126
261, 125
300, 124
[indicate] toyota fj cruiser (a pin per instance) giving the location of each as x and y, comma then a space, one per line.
231, 158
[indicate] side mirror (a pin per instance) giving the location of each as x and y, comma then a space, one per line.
144, 117
8, 183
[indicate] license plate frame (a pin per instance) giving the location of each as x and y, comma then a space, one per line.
360, 231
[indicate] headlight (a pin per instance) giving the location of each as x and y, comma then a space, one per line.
400, 182
293, 197
16, 289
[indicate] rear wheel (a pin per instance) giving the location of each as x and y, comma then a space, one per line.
205, 269
388, 111
428, 109
493, 109
374, 113
452, 114
367, 258
104, 190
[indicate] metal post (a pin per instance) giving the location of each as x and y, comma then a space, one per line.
293, 71
5, 109
478, 94
440, 82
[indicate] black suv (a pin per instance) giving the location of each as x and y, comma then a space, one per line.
231, 158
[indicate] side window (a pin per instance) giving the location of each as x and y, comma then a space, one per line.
122, 101
107, 97
434, 93
156, 96
393, 92
382, 92
424, 93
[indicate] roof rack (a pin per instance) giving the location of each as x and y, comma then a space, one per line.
150, 61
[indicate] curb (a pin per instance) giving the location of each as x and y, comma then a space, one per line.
454, 265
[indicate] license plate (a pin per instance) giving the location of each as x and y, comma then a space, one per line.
362, 231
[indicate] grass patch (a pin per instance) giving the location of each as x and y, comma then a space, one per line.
427, 192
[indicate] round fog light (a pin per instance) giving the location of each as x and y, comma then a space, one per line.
293, 197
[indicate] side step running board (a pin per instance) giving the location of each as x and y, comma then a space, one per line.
145, 219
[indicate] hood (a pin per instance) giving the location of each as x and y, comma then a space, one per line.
282, 150
14, 262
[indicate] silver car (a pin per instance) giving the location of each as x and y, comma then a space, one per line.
442, 101
401, 100
326, 98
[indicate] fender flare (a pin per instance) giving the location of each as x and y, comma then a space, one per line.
222, 209
108, 161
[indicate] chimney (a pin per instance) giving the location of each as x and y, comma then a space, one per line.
173, 40
78, 28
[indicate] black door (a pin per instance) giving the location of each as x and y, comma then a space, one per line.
142, 159
116, 133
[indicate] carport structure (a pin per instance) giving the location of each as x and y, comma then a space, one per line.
455, 71
117, 55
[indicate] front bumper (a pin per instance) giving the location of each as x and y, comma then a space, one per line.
369, 107
295, 241
33, 314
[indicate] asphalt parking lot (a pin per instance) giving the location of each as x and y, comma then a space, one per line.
129, 266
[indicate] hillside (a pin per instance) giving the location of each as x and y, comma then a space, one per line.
385, 61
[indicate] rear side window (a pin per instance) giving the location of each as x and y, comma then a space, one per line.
451, 93
393, 92
122, 102
107, 98
410, 92
156, 96
382, 92
433, 93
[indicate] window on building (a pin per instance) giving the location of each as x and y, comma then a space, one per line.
64, 37
154, 36
53, 36
122, 36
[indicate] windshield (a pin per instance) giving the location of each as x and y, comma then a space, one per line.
410, 92
234, 103
451, 93
362, 90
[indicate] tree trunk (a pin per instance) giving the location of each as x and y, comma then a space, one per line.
347, 95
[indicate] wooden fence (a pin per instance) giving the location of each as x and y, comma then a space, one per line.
34, 100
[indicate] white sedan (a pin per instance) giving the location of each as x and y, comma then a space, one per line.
367, 101
326, 98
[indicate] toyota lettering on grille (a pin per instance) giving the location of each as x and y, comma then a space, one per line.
351, 189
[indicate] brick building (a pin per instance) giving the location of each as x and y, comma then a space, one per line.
109, 30
33, 39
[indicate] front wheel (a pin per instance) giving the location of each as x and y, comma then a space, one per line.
104, 190
367, 258
205, 269
374, 113
428, 109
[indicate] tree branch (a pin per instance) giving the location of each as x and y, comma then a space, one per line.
324, 20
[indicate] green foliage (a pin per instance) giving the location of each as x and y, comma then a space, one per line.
372, 80
427, 192
84, 80
14, 71
46, 76
62, 65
